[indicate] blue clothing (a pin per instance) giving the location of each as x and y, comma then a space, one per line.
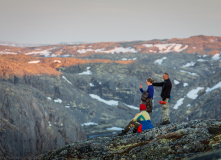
146, 125
150, 90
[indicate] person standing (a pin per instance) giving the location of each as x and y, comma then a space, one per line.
165, 95
147, 97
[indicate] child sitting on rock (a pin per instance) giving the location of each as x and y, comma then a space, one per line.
140, 122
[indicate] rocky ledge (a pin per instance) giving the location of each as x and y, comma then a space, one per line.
173, 141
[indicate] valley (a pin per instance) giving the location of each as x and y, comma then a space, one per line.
52, 99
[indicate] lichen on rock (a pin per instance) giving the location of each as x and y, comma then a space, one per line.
174, 141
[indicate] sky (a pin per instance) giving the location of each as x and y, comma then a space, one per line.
55, 21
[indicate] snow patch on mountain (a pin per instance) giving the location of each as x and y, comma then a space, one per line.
81, 51
128, 59
176, 82
91, 84
121, 50
218, 85
45, 53
132, 107
108, 102
185, 84
193, 93
87, 72
178, 103
201, 60
49, 124
165, 48
112, 51
6, 52
216, 56
57, 61
49, 98
148, 45
89, 124
189, 64
34, 61
160, 61
58, 100
111, 102
188, 105
66, 79
114, 129
193, 74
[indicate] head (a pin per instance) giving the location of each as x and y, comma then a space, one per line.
149, 81
165, 76
143, 107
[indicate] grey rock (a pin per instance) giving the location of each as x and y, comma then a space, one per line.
30, 124
168, 145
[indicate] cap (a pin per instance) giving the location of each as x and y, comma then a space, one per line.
143, 107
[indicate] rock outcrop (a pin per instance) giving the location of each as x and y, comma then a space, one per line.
30, 124
173, 141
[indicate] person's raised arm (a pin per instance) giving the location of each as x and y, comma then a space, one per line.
141, 89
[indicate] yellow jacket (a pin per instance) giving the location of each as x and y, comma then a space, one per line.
142, 116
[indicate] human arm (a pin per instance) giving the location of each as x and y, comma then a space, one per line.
137, 116
141, 89
158, 84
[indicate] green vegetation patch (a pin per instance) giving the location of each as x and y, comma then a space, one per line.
215, 140
159, 153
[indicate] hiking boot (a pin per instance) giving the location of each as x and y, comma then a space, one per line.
134, 130
165, 123
122, 133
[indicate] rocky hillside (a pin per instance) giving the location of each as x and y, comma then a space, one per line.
30, 124
49, 99
174, 141
22, 65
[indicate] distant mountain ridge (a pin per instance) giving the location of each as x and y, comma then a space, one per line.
14, 44
209, 45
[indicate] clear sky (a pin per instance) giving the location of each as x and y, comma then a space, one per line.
54, 21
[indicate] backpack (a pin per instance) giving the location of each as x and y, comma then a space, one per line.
144, 96
147, 101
